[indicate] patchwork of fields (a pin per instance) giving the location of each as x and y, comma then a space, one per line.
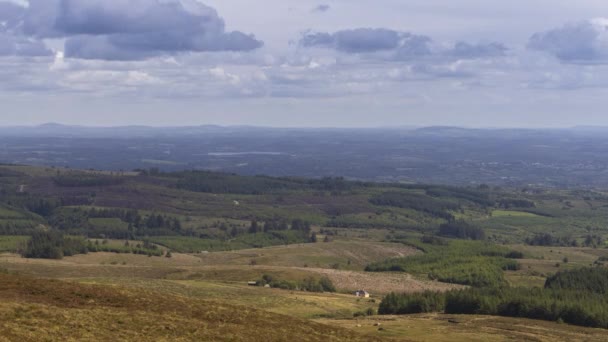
177, 244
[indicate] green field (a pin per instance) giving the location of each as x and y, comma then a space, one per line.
7, 213
114, 223
11, 243
513, 213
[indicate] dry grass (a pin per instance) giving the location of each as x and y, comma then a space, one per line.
46, 310
204, 297
350, 254
543, 261
382, 283
466, 328
188, 267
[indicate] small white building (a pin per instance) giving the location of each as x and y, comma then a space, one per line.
362, 293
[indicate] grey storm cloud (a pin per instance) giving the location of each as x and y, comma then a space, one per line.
131, 29
321, 8
585, 41
365, 40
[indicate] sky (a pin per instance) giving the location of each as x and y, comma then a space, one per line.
304, 63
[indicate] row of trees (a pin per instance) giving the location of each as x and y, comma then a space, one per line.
309, 284
87, 180
461, 230
78, 221
429, 205
508, 203
547, 239
215, 182
51, 244
577, 297
279, 225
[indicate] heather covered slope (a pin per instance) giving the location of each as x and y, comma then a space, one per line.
38, 309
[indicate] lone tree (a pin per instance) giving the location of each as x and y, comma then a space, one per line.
313, 238
254, 228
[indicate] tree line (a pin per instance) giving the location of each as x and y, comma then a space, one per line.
576, 297
309, 284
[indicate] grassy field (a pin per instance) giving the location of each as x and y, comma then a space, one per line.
286, 262
11, 243
163, 305
512, 213
540, 262
220, 279
214, 254
109, 222
7, 213
350, 254
466, 328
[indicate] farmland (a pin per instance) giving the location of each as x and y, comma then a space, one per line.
203, 237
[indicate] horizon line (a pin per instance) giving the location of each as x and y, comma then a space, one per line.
411, 127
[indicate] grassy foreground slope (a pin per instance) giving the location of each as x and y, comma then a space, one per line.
40, 310
468, 328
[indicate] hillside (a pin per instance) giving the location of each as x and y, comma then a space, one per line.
295, 249
219, 208
35, 309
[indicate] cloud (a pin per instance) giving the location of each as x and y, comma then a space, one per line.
394, 45
367, 40
10, 14
130, 29
466, 50
321, 8
585, 41
23, 47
